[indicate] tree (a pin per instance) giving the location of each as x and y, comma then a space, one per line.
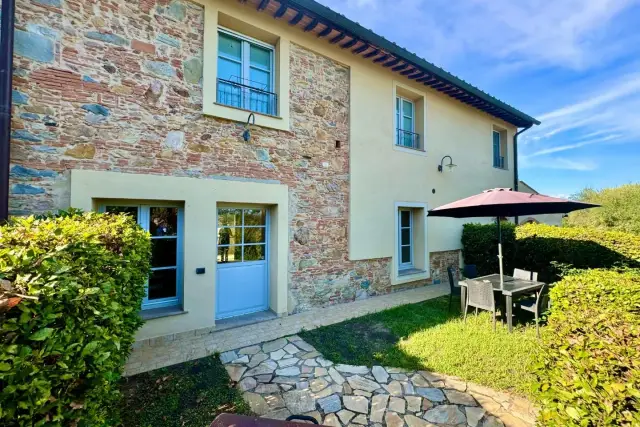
620, 209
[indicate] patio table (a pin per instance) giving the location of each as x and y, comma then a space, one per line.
512, 287
229, 420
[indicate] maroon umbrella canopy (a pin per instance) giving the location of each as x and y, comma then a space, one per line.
503, 202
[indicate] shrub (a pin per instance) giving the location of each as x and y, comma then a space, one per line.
480, 246
78, 281
618, 211
589, 369
545, 248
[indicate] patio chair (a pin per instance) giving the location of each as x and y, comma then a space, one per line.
480, 296
470, 271
535, 305
455, 290
522, 274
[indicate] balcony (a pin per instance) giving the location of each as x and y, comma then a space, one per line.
248, 96
407, 139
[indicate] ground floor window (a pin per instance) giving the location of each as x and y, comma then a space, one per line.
405, 241
165, 224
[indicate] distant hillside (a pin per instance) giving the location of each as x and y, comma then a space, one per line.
620, 209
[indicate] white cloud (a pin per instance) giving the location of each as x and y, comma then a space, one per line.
561, 163
605, 114
624, 89
566, 147
565, 33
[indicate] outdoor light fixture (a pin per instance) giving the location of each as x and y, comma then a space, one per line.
449, 167
246, 135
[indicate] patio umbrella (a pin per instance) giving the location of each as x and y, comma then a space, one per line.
504, 202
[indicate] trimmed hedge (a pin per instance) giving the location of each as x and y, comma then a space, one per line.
78, 281
480, 246
545, 248
589, 367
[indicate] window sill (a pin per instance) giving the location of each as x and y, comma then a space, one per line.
156, 313
241, 115
501, 169
414, 151
410, 275
410, 272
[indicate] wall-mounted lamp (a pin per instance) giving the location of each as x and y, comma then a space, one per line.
246, 135
449, 167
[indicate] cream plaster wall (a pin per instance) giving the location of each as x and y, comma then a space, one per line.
200, 198
382, 175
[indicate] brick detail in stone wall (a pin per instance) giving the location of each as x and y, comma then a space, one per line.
440, 261
116, 85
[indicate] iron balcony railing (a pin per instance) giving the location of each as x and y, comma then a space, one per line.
498, 162
246, 96
407, 139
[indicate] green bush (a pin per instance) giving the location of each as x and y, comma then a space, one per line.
545, 248
589, 368
619, 209
78, 281
480, 246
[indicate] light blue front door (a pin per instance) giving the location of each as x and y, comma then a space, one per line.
242, 274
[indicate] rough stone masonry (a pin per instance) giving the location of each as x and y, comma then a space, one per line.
117, 85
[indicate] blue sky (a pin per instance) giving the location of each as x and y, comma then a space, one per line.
573, 64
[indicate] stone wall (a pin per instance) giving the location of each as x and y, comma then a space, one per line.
440, 261
116, 85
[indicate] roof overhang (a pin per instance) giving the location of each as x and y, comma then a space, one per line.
314, 18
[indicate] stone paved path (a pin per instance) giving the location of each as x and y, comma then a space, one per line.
288, 376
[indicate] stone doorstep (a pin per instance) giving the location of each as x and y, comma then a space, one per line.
346, 395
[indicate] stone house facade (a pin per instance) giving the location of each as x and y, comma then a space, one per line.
112, 111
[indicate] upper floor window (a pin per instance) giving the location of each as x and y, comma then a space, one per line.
406, 135
245, 73
499, 150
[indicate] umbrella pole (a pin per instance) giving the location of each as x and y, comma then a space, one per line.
500, 252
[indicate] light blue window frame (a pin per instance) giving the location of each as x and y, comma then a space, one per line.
404, 140
144, 220
246, 97
498, 156
402, 243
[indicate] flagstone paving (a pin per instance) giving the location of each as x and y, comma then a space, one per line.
288, 376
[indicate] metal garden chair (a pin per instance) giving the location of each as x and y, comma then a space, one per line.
455, 290
536, 305
480, 295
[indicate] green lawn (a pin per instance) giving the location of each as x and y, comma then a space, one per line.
188, 395
425, 336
